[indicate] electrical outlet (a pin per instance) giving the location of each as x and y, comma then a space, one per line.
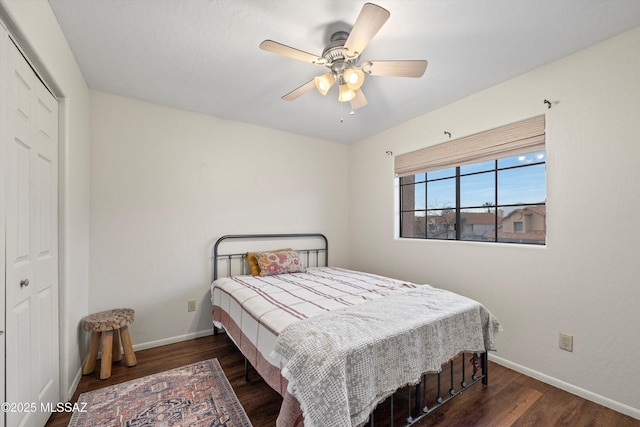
191, 305
566, 342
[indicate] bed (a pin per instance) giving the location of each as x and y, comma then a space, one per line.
336, 343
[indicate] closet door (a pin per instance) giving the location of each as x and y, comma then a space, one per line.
31, 280
3, 120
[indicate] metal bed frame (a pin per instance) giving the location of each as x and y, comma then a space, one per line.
420, 400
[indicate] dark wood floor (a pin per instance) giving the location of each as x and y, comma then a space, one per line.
510, 399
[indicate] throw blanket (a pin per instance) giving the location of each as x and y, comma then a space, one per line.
341, 364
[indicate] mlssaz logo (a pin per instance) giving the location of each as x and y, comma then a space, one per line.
63, 407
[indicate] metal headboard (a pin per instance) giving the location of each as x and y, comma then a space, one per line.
217, 255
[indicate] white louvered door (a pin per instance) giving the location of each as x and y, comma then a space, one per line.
31, 233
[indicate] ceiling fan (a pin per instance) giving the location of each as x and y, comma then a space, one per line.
342, 57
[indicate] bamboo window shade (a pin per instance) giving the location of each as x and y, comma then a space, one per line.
516, 138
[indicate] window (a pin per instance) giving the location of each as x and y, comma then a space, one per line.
491, 200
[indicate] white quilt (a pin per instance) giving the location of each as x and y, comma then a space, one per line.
341, 364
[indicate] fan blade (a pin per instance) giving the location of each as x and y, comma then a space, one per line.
281, 49
370, 20
294, 94
359, 101
409, 68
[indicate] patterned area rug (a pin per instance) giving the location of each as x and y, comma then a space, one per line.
193, 395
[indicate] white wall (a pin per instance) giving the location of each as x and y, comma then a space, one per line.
586, 281
35, 27
167, 183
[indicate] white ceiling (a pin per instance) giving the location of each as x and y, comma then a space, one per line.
203, 55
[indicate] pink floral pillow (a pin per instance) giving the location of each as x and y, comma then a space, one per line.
271, 263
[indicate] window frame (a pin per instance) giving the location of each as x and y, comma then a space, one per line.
458, 209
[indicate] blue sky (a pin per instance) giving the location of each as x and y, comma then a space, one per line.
515, 186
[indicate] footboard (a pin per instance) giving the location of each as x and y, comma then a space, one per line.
412, 403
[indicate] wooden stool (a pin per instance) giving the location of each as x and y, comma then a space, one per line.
113, 325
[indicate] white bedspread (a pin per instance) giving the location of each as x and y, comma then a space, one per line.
341, 364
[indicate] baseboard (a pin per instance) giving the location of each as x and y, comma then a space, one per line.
585, 394
74, 385
172, 340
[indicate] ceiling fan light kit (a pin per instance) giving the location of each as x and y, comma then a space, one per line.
341, 56
354, 78
345, 93
324, 82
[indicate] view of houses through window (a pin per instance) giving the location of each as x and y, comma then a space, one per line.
501, 200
